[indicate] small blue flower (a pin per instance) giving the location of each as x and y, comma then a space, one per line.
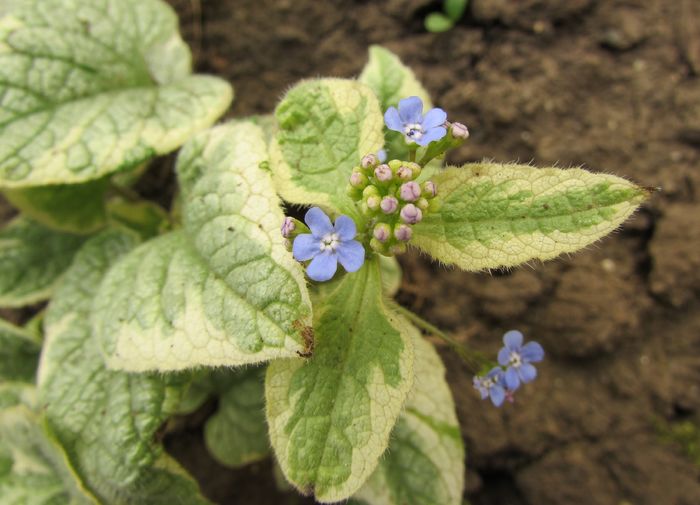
518, 358
326, 245
381, 155
416, 127
492, 385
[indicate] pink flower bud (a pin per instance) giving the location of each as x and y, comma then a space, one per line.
358, 180
430, 189
368, 161
382, 232
410, 191
411, 214
389, 204
459, 131
288, 226
404, 173
403, 232
383, 173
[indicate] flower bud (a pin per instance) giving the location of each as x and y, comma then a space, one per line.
415, 169
383, 173
358, 180
372, 202
382, 232
370, 191
411, 214
459, 131
368, 161
403, 232
409, 191
389, 204
395, 164
377, 246
353, 192
404, 173
429, 189
288, 227
423, 204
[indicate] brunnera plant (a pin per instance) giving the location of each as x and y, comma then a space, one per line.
152, 311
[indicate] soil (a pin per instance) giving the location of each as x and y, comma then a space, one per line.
611, 85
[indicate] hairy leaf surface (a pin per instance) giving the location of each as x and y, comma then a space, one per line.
75, 208
222, 291
105, 420
496, 215
19, 353
237, 433
330, 417
89, 87
424, 464
32, 258
33, 467
325, 127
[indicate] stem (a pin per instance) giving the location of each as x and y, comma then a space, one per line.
124, 192
474, 360
412, 155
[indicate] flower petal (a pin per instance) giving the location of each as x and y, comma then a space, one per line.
435, 133
498, 394
411, 110
305, 247
323, 266
434, 117
351, 255
513, 340
345, 228
527, 372
512, 379
318, 222
392, 120
532, 352
503, 356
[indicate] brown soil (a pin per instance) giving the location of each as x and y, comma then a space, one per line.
608, 84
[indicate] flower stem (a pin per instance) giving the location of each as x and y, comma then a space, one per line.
412, 155
473, 359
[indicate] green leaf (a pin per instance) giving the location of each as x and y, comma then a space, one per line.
33, 467
91, 87
391, 80
222, 291
424, 464
330, 417
455, 8
146, 218
74, 208
496, 215
237, 433
106, 421
32, 259
325, 127
436, 22
19, 353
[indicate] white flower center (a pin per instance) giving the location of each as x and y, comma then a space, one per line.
515, 359
413, 131
330, 242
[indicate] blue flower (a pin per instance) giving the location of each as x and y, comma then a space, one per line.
416, 127
326, 245
492, 385
518, 358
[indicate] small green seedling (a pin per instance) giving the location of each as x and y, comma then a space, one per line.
453, 10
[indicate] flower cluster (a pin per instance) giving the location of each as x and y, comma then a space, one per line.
392, 199
515, 360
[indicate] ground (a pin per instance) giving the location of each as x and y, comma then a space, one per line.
611, 85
